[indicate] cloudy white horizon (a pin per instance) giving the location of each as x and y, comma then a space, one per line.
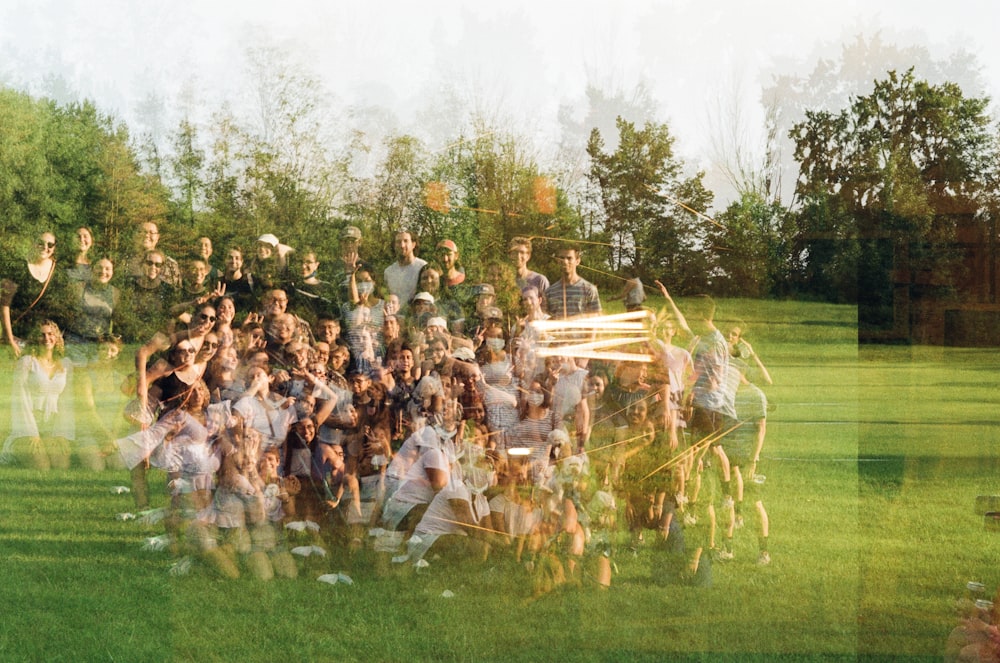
522, 60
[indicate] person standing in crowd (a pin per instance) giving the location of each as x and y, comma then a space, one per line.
269, 268
710, 401
520, 253
239, 284
402, 276
204, 251
147, 240
452, 272
743, 447
92, 308
310, 295
80, 269
146, 299
32, 289
633, 293
346, 264
196, 290
571, 295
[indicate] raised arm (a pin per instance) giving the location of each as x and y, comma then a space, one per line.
681, 320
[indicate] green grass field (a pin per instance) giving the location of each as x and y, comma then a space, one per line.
874, 459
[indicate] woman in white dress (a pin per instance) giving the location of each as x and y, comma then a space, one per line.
38, 412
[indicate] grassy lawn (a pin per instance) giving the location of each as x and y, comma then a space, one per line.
868, 555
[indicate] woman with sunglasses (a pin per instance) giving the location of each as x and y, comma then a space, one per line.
185, 364
32, 289
167, 385
146, 298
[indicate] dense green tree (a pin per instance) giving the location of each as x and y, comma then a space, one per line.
753, 247
65, 166
907, 164
653, 215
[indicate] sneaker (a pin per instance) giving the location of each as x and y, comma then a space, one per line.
690, 519
680, 499
739, 522
727, 502
764, 559
724, 555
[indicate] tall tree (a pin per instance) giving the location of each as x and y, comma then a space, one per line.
651, 212
908, 163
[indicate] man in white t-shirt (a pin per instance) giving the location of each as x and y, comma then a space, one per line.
402, 276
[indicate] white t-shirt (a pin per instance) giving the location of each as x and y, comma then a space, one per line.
402, 279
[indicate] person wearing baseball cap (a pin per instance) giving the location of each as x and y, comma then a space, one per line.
348, 263
452, 273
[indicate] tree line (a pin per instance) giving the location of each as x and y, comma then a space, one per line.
910, 160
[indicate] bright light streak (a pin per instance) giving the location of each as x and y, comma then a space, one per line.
604, 332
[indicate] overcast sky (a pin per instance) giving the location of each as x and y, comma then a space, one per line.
525, 57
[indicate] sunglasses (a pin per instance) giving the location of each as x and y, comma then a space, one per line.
154, 263
206, 316
186, 350
42, 244
210, 345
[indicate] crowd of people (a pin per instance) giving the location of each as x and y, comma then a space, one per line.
400, 409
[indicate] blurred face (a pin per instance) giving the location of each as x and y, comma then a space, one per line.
259, 361
321, 353
529, 301
520, 255
734, 335
103, 271
204, 248
300, 355
484, 301
183, 353
436, 352
208, 348
277, 302
339, 358
365, 284
309, 264
336, 456
197, 272
283, 329
264, 250
45, 245
390, 328
204, 320
50, 336
359, 384
447, 257
149, 235
404, 361
226, 311
152, 266
637, 414
568, 260
328, 331
269, 465
84, 240
234, 261
404, 245
430, 281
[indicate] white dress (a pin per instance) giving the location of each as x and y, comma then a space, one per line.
37, 406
